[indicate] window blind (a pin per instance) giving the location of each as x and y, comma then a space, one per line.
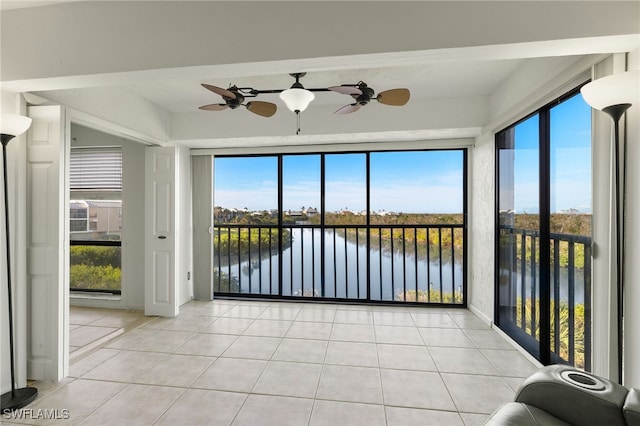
95, 168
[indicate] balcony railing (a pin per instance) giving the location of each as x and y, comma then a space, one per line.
391, 263
570, 291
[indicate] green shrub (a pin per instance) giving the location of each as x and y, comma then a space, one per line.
95, 277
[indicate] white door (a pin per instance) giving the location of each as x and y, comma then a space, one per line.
47, 290
160, 233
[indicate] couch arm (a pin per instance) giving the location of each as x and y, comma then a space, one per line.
574, 396
631, 408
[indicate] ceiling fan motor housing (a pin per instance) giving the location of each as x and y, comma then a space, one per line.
365, 96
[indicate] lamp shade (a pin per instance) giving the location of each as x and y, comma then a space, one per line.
13, 124
297, 100
615, 89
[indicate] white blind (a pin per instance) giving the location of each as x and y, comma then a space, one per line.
93, 168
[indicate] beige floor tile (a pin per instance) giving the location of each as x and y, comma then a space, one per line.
253, 347
415, 389
309, 330
269, 328
84, 365
126, 366
470, 322
119, 319
398, 335
282, 313
352, 384
399, 416
135, 405
245, 311
400, 318
461, 360
207, 344
473, 419
269, 410
84, 335
405, 357
176, 370
334, 413
348, 316
228, 326
180, 323
434, 320
203, 407
509, 363
356, 354
449, 337
289, 379
353, 333
487, 339
301, 350
206, 308
78, 398
464, 390
228, 374
317, 315
151, 340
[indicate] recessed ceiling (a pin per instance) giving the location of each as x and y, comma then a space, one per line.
435, 80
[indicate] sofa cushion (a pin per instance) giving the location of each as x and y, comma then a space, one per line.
519, 414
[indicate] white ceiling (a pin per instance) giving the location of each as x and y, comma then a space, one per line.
441, 79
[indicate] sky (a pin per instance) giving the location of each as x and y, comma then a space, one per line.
570, 160
408, 182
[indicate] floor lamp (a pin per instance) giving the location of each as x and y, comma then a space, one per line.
614, 94
12, 125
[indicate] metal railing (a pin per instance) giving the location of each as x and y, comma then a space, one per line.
570, 291
391, 263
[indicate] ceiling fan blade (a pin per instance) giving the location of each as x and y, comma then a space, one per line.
214, 107
348, 109
395, 97
346, 90
220, 91
265, 109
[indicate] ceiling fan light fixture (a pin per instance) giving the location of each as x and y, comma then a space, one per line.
297, 99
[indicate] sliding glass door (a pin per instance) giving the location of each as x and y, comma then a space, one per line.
543, 232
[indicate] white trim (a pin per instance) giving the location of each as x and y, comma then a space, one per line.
351, 147
96, 123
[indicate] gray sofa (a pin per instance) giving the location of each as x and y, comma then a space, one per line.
562, 395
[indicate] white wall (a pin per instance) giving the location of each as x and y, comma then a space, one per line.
632, 289
133, 216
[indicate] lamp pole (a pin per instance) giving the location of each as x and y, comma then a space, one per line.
16, 398
616, 112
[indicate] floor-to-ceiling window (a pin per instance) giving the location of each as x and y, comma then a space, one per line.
543, 233
358, 226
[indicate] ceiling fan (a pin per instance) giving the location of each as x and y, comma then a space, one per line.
234, 97
363, 94
298, 98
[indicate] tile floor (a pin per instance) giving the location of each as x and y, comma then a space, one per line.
276, 363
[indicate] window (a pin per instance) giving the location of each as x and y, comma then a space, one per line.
543, 233
95, 213
367, 226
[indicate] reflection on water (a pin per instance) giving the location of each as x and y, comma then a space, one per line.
396, 273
